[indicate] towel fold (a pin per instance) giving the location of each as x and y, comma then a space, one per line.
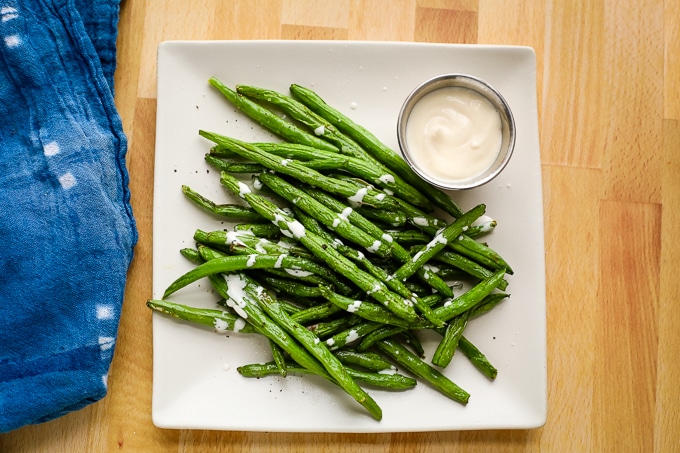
66, 224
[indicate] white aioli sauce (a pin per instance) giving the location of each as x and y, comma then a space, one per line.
453, 134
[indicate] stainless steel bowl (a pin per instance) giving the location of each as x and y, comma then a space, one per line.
485, 90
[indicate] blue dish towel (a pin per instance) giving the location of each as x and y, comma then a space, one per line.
66, 227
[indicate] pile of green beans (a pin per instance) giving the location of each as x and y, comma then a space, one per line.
337, 254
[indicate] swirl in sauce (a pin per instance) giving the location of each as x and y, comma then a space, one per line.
453, 134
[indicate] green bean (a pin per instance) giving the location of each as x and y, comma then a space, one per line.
384, 380
368, 360
382, 176
326, 164
233, 167
481, 227
430, 225
351, 334
487, 304
415, 365
298, 171
373, 146
323, 250
249, 297
392, 218
245, 305
302, 114
409, 338
397, 250
229, 211
290, 287
290, 307
332, 219
314, 273
268, 119
279, 359
480, 253
332, 365
240, 263
262, 230
470, 298
447, 273
465, 264
333, 327
192, 255
316, 312
478, 359
443, 354
401, 288
246, 243
364, 309
464, 245
371, 171
439, 242
382, 333
338, 222
292, 150
409, 236
219, 319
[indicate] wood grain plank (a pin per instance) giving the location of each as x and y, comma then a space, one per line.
459, 5
571, 198
574, 50
379, 20
671, 73
205, 20
522, 23
633, 77
667, 419
311, 32
244, 19
626, 338
129, 47
316, 13
446, 25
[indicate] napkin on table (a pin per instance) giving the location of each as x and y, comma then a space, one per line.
67, 231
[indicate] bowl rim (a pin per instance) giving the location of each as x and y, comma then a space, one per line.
481, 87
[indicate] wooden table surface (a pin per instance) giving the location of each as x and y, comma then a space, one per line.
609, 117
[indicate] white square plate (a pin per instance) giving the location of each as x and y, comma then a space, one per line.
195, 383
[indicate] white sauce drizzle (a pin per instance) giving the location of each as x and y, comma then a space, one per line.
221, 325
298, 273
386, 179
352, 336
279, 261
420, 221
237, 294
243, 189
354, 306
233, 237
260, 246
358, 197
239, 324
374, 247
297, 229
